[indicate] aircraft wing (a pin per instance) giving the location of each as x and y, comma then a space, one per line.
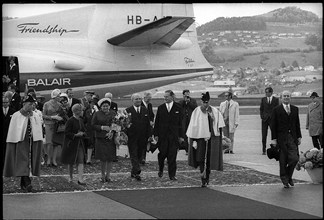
164, 31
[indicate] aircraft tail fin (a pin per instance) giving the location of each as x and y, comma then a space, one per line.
164, 31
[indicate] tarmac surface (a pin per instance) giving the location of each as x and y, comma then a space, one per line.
304, 197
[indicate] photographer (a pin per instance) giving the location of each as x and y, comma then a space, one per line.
188, 104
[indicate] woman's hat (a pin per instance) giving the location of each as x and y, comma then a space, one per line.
29, 98
104, 100
314, 94
55, 93
205, 97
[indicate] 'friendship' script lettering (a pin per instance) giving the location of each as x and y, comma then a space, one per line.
33, 28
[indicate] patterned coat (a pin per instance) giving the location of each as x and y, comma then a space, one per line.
314, 119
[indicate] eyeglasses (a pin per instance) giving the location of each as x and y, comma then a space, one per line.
205, 102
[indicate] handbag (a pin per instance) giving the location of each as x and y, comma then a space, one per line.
60, 127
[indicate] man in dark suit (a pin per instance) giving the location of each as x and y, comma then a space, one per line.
168, 133
146, 102
15, 102
188, 104
267, 105
13, 72
113, 106
71, 101
138, 133
7, 112
285, 132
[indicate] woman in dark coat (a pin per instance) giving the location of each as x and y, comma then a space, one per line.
104, 141
58, 136
73, 146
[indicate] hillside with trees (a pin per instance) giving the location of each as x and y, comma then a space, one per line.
289, 15
292, 15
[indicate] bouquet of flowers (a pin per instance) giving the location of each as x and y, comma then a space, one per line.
120, 123
226, 142
312, 158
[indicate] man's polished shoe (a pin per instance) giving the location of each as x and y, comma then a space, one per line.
28, 188
231, 152
204, 182
81, 183
286, 185
160, 174
136, 176
173, 178
291, 183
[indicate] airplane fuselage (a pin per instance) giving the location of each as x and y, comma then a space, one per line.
114, 48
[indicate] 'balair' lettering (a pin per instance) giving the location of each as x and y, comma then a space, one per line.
32, 28
49, 82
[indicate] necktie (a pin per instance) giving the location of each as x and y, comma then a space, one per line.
287, 109
226, 113
269, 100
138, 110
5, 111
168, 107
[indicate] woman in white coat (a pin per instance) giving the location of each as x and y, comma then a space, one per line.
231, 114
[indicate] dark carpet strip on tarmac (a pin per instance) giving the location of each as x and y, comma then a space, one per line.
56, 179
199, 203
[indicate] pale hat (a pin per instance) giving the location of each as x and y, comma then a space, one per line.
104, 100
55, 93
76, 107
63, 94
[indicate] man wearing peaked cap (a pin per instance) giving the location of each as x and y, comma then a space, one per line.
24, 140
85, 100
314, 121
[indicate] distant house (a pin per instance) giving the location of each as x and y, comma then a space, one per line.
296, 94
314, 76
295, 78
309, 68
224, 83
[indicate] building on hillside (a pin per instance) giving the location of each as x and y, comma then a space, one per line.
309, 68
314, 76
295, 78
224, 83
294, 94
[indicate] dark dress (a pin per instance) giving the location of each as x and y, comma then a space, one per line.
58, 136
214, 153
104, 147
73, 146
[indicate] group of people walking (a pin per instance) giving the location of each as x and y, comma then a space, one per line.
83, 125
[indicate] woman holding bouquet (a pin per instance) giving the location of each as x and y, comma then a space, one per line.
104, 142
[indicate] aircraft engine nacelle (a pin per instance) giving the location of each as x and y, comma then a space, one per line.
64, 64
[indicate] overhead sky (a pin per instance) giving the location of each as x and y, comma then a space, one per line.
203, 12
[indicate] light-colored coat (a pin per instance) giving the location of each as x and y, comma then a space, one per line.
234, 114
198, 126
314, 119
